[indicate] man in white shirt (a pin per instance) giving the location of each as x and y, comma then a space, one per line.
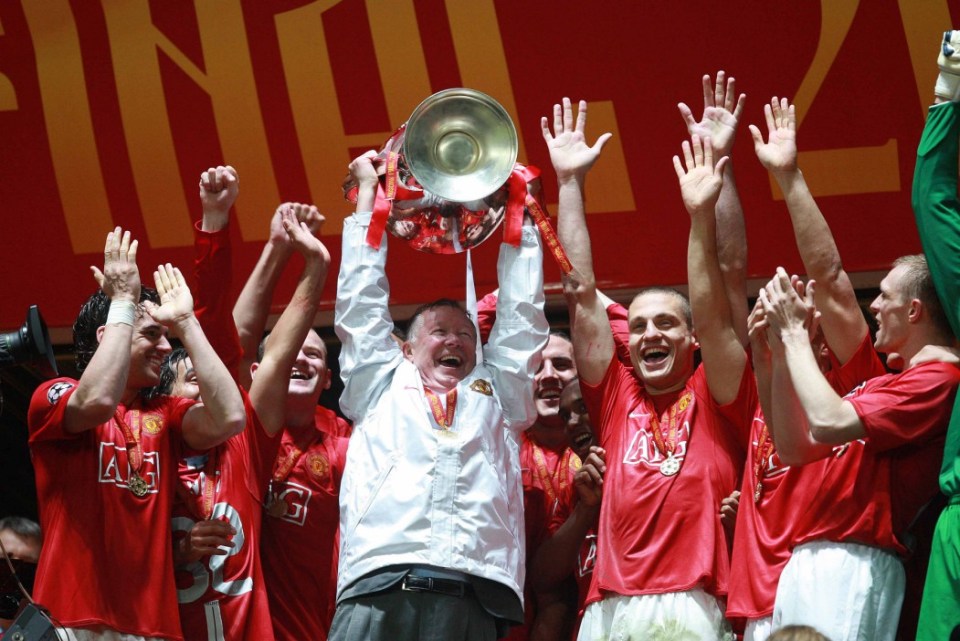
431, 504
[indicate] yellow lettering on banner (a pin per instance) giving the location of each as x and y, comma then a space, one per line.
135, 44
66, 113
316, 112
923, 22
854, 170
400, 59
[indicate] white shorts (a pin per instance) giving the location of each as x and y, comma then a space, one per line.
847, 591
693, 615
758, 629
100, 633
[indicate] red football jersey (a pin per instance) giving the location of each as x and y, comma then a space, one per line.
869, 490
224, 598
107, 555
765, 529
300, 530
662, 533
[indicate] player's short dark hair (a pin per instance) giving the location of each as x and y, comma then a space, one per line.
416, 321
670, 291
168, 372
262, 346
23, 527
93, 314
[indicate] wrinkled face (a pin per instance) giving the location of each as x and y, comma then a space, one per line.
20, 548
444, 347
556, 370
891, 309
573, 412
147, 350
185, 384
662, 345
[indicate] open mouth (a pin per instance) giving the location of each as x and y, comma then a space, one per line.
549, 394
582, 440
654, 355
450, 360
297, 375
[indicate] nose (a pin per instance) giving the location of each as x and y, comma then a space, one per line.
875, 305
163, 345
547, 371
651, 329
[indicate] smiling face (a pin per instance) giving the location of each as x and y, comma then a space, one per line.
309, 375
892, 310
185, 382
556, 370
662, 343
573, 412
443, 346
147, 351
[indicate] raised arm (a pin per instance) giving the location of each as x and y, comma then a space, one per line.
722, 108
572, 158
842, 321
253, 306
362, 320
104, 379
809, 416
213, 264
720, 346
221, 414
268, 391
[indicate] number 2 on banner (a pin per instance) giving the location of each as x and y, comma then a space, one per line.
211, 573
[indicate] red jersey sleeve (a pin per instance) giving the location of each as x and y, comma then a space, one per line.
913, 407
261, 447
213, 303
486, 315
47, 407
862, 366
738, 414
617, 316
601, 399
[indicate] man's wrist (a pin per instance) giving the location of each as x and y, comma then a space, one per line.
122, 312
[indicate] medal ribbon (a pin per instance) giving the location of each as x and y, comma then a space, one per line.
444, 420
555, 484
666, 446
764, 448
134, 455
208, 493
285, 464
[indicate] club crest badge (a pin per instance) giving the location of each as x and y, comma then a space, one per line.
152, 424
482, 386
318, 466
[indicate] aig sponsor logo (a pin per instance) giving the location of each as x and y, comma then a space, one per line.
587, 556
290, 503
115, 467
643, 448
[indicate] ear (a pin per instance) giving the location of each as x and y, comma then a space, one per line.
253, 369
915, 311
407, 350
327, 380
696, 341
100, 331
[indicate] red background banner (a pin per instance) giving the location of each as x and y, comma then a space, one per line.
109, 110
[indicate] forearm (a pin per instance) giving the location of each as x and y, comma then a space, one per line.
213, 272
222, 403
252, 308
787, 421
556, 558
831, 420
732, 251
103, 381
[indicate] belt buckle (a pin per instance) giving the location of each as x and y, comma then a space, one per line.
413, 583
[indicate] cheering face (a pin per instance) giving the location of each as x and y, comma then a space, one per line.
310, 376
443, 347
573, 412
147, 350
662, 344
892, 311
556, 370
185, 384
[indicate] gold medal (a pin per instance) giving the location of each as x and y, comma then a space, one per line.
670, 465
758, 492
137, 485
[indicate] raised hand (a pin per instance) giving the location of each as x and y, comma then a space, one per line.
779, 153
300, 236
219, 187
570, 154
589, 478
176, 301
787, 303
721, 113
701, 181
120, 278
757, 332
308, 214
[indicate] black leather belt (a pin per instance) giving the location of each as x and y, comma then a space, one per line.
450, 587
